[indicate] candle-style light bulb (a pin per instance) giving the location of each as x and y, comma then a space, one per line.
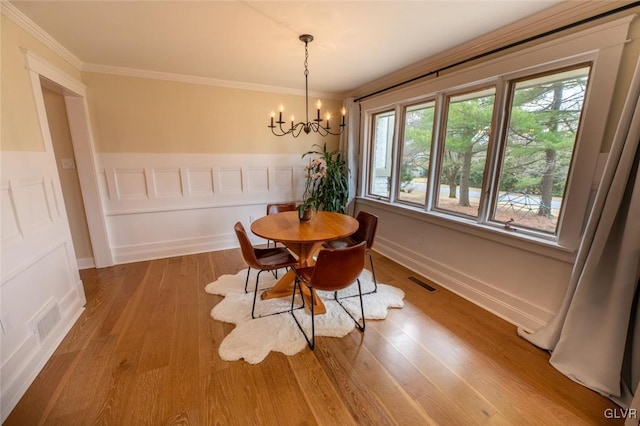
328, 118
318, 104
281, 108
281, 111
273, 114
344, 111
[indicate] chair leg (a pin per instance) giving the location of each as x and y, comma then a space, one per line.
373, 272
255, 297
246, 281
360, 327
310, 342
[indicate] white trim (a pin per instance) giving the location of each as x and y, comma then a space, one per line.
512, 309
181, 247
528, 243
27, 362
86, 263
40, 66
204, 81
83, 146
20, 19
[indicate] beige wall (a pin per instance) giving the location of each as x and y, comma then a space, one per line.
139, 115
63, 149
19, 119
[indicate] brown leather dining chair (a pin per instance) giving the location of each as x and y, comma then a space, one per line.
263, 259
335, 269
279, 208
367, 226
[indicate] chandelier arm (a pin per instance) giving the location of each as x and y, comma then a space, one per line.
307, 126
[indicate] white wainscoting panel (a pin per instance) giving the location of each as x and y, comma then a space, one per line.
38, 270
257, 179
282, 178
200, 181
193, 200
131, 184
167, 182
230, 179
9, 229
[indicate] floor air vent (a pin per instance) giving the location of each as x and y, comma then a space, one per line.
423, 284
46, 320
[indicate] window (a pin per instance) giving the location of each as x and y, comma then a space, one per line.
380, 177
507, 148
416, 149
544, 117
514, 176
464, 152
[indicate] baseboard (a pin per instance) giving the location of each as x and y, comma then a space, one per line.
24, 365
512, 309
164, 249
86, 263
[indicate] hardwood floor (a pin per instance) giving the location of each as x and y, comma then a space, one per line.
145, 352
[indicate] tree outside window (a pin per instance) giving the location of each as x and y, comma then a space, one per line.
543, 125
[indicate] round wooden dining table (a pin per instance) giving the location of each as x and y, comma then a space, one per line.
304, 239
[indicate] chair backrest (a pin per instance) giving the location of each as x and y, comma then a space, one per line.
248, 252
368, 223
338, 268
280, 207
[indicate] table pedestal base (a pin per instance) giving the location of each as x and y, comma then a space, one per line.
284, 288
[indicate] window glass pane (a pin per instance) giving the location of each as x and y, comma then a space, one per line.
544, 120
380, 178
416, 147
464, 153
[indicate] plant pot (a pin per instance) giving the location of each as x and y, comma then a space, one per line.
304, 215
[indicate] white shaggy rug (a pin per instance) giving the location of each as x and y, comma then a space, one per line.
253, 339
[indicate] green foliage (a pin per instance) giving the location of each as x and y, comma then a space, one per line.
327, 186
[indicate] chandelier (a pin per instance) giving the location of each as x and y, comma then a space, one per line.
316, 125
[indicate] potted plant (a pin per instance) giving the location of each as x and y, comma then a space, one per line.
327, 187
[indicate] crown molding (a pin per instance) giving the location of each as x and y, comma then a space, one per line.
548, 19
204, 81
20, 19
24, 22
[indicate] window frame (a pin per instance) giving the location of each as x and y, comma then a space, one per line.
601, 46
509, 90
400, 142
392, 160
442, 134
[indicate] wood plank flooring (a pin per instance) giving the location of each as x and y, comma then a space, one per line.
145, 352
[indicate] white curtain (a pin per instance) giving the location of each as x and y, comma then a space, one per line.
350, 146
595, 337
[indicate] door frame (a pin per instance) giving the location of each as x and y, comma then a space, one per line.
74, 92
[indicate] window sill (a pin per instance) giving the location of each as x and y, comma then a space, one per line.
511, 238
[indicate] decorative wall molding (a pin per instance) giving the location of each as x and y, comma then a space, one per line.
20, 19
21, 369
145, 183
163, 205
204, 81
508, 307
38, 270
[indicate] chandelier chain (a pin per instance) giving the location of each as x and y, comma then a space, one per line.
316, 125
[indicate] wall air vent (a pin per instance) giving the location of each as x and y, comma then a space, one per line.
46, 320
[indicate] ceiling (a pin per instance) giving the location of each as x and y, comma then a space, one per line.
256, 42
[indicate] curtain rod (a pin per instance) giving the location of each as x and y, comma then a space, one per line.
503, 48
